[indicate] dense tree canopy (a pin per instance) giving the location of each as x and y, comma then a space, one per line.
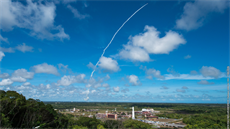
17, 112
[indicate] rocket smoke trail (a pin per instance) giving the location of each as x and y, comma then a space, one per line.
111, 42
116, 34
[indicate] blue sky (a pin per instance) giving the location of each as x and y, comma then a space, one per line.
169, 51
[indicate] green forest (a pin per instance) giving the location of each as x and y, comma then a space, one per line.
19, 112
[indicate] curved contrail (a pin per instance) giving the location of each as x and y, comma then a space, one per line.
115, 35
112, 40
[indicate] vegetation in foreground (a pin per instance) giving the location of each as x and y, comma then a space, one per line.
17, 112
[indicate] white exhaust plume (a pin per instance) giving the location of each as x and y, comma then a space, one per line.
111, 42
115, 35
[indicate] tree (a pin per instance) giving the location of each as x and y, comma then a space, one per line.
100, 126
134, 124
17, 112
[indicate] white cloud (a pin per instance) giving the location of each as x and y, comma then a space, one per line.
173, 72
116, 89
204, 82
36, 17
140, 46
1, 55
23, 88
23, 73
152, 43
97, 83
105, 85
68, 80
90, 65
64, 68
195, 13
3, 39
134, 80
86, 92
210, 72
7, 50
18, 79
86, 99
23, 48
45, 68
93, 91
26, 84
108, 64
107, 77
153, 72
185, 77
134, 53
187, 57
76, 13
4, 75
6, 82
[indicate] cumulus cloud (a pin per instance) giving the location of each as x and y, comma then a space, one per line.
195, 13
86, 99
26, 84
76, 13
108, 64
64, 68
18, 79
105, 85
7, 50
45, 68
4, 75
23, 73
1, 55
210, 72
90, 65
6, 82
86, 92
68, 80
187, 57
116, 89
36, 17
186, 77
152, 73
134, 53
134, 80
95, 83
24, 48
173, 72
205, 82
93, 91
151, 41
140, 46
3, 39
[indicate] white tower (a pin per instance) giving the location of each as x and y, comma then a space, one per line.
106, 112
133, 114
